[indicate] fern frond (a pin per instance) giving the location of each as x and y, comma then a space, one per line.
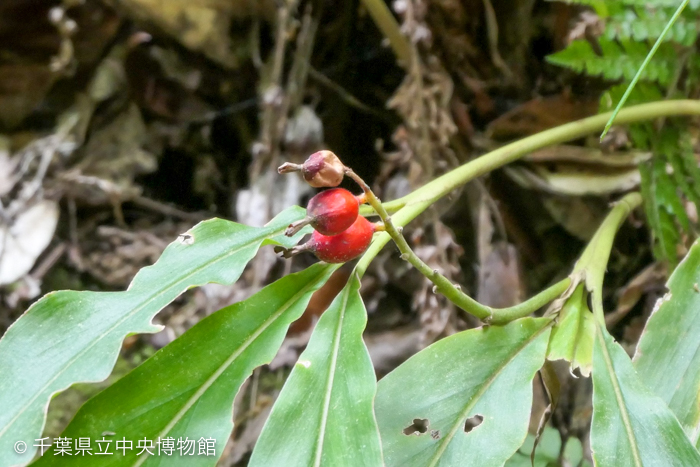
608, 4
676, 147
665, 234
642, 25
632, 31
643, 92
618, 60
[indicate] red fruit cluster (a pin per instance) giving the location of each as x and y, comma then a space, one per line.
345, 246
340, 234
329, 212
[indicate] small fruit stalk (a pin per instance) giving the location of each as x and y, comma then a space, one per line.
340, 248
329, 212
340, 234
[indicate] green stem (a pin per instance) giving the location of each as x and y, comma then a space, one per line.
593, 262
387, 24
506, 315
442, 283
410, 206
646, 61
512, 152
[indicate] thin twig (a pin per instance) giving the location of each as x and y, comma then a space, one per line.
343, 93
168, 210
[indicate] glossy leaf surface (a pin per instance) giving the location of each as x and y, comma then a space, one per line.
465, 400
324, 415
668, 354
68, 337
631, 426
186, 390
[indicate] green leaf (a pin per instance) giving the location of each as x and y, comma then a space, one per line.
640, 25
618, 60
631, 426
667, 195
668, 354
477, 377
665, 235
573, 335
323, 415
68, 337
186, 389
675, 145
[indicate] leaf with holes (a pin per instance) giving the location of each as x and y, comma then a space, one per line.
186, 389
572, 336
69, 337
324, 412
631, 426
668, 354
465, 398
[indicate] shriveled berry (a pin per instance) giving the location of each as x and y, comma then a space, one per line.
321, 169
330, 212
345, 246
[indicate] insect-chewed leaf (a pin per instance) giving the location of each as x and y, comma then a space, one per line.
186, 390
668, 354
69, 337
464, 399
323, 415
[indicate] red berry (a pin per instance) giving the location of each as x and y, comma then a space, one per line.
330, 212
333, 211
345, 246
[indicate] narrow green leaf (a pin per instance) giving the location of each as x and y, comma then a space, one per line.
68, 337
643, 66
573, 335
324, 415
665, 235
668, 354
465, 398
631, 426
186, 390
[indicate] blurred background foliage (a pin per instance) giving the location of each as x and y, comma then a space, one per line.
125, 122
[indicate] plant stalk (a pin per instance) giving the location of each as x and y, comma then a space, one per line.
409, 207
387, 24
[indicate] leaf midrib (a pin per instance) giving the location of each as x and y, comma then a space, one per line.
224, 366
331, 375
484, 387
260, 238
618, 397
